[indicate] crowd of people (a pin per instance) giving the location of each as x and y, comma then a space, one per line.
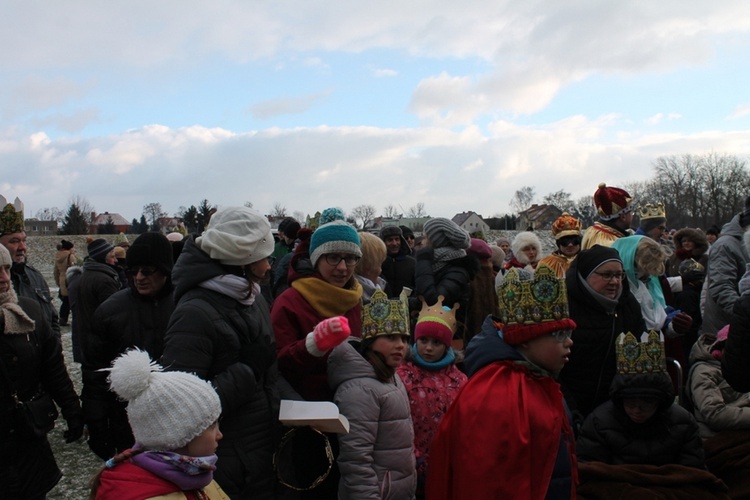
465, 368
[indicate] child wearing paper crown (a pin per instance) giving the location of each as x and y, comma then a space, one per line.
508, 433
376, 456
641, 424
431, 378
174, 417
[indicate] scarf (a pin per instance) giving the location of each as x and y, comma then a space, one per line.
188, 473
232, 286
14, 318
435, 366
445, 254
328, 300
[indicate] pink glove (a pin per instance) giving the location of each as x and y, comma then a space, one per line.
327, 334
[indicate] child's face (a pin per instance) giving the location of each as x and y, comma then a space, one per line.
430, 349
392, 347
205, 443
547, 351
640, 410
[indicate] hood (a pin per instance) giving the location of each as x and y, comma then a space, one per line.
696, 236
701, 350
654, 385
193, 266
579, 293
522, 240
733, 228
72, 272
487, 347
345, 363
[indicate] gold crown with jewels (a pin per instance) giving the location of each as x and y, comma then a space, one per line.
384, 316
527, 302
652, 211
646, 356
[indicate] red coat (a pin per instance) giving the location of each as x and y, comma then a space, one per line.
500, 438
127, 481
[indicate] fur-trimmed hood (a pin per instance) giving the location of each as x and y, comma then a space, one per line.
522, 240
697, 236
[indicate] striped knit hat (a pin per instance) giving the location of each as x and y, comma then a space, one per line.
446, 233
335, 237
98, 249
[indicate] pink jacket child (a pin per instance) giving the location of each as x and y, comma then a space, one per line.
431, 378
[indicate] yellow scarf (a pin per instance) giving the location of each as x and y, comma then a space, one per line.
328, 300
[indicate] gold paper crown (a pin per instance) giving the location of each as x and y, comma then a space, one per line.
652, 211
646, 356
566, 225
383, 316
11, 218
541, 299
437, 313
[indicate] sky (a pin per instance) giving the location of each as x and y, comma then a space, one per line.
312, 104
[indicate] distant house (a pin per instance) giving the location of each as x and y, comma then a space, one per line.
99, 221
471, 222
168, 224
538, 217
36, 227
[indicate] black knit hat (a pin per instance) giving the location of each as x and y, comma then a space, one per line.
406, 231
66, 245
589, 260
98, 250
151, 249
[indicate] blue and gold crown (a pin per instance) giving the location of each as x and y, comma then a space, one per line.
11, 217
384, 316
646, 356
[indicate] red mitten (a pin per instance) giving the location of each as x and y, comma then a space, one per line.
327, 334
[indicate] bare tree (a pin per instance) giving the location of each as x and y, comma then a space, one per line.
299, 216
365, 213
560, 199
584, 210
391, 212
84, 207
50, 213
279, 210
522, 199
417, 211
153, 212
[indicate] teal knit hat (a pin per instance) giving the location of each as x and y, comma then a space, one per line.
336, 236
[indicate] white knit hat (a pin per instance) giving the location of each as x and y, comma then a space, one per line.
237, 236
166, 410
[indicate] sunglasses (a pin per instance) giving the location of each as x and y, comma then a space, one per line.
144, 270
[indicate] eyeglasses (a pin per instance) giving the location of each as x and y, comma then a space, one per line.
144, 270
562, 335
611, 276
333, 259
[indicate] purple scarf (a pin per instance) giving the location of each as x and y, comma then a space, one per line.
188, 473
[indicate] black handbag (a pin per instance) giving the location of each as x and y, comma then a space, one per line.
34, 417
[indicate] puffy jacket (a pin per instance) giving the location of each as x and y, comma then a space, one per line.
97, 283
28, 282
726, 265
399, 270
669, 437
716, 406
376, 457
27, 465
218, 338
587, 376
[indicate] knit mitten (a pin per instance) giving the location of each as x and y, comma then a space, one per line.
327, 334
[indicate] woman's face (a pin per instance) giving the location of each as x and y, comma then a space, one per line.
111, 259
4, 278
430, 349
505, 246
688, 244
531, 253
569, 245
392, 347
339, 274
607, 279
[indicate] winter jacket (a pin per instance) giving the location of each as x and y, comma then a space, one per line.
127, 481
490, 446
294, 316
124, 321
97, 283
587, 376
231, 345
399, 270
28, 282
726, 265
73, 279
34, 361
376, 457
431, 391
670, 436
63, 260
698, 253
737, 349
716, 406
483, 300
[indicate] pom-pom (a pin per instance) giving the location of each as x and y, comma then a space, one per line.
130, 374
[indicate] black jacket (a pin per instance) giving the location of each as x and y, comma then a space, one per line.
669, 437
587, 376
737, 349
97, 283
398, 272
27, 465
29, 283
231, 345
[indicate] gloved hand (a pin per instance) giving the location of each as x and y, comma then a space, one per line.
99, 439
75, 429
327, 334
682, 323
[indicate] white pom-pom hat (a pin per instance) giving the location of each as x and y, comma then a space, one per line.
166, 410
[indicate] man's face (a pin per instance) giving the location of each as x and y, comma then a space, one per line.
657, 232
16, 245
393, 243
625, 220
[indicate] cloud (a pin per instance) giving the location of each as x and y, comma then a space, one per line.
384, 72
286, 105
740, 111
659, 117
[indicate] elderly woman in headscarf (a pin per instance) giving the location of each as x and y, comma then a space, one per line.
602, 307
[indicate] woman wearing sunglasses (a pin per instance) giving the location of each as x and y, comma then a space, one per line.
567, 232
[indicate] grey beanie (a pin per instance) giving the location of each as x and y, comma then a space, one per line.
446, 233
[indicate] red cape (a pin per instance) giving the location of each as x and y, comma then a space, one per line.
500, 437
